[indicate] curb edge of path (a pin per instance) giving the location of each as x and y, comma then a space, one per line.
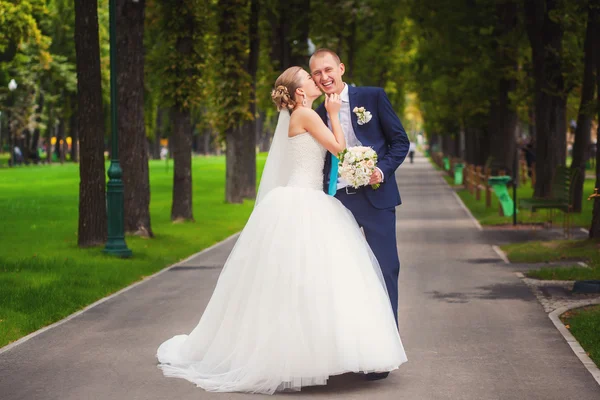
573, 343
501, 254
463, 206
24, 339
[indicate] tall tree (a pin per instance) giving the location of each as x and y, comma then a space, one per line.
92, 200
250, 125
503, 116
178, 59
234, 94
545, 34
586, 107
595, 226
290, 22
133, 146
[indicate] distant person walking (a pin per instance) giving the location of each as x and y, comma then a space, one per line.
411, 151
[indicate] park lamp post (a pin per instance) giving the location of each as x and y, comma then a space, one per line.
115, 245
12, 86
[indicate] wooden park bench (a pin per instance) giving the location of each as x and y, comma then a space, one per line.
560, 199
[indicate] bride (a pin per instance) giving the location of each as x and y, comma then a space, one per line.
301, 296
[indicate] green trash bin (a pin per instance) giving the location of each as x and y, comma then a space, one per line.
446, 163
498, 183
458, 173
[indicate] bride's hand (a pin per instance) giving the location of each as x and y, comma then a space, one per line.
333, 103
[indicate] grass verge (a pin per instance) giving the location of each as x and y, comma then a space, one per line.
558, 250
44, 276
491, 216
584, 324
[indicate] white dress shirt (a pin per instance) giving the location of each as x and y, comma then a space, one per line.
346, 123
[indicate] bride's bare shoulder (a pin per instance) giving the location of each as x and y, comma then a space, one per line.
305, 113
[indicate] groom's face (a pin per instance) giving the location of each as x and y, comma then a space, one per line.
327, 73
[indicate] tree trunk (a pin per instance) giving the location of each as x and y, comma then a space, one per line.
595, 226
249, 186
290, 25
208, 147
92, 199
157, 134
502, 128
35, 141
60, 137
239, 129
234, 154
448, 144
49, 130
26, 148
74, 139
131, 126
181, 146
545, 35
503, 117
586, 110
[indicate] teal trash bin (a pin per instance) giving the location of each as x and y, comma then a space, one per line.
458, 173
446, 163
499, 184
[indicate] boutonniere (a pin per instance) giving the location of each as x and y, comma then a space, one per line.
363, 115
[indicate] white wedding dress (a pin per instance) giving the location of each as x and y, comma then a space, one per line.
300, 298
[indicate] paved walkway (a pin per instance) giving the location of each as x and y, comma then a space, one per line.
471, 328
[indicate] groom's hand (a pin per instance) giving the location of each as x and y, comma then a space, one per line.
376, 177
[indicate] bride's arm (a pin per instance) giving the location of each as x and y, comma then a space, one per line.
334, 141
313, 124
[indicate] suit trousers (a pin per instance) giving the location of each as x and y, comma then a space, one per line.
379, 227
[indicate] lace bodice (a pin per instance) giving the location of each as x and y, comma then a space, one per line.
308, 158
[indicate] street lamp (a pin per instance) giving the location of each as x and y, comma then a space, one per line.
12, 86
115, 245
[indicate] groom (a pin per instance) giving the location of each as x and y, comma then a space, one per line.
374, 210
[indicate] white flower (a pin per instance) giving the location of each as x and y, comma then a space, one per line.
357, 164
363, 115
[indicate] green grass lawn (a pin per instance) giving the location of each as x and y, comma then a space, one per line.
491, 216
44, 276
558, 250
4, 159
584, 324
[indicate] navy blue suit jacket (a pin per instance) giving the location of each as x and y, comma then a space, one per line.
384, 133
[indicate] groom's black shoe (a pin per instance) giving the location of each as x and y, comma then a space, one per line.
375, 376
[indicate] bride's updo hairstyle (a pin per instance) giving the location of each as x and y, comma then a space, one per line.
285, 88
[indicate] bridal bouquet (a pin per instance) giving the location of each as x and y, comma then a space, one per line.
357, 164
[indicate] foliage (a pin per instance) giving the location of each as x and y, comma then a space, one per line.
232, 84
19, 23
177, 56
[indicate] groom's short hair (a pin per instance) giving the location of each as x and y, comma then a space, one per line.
322, 51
